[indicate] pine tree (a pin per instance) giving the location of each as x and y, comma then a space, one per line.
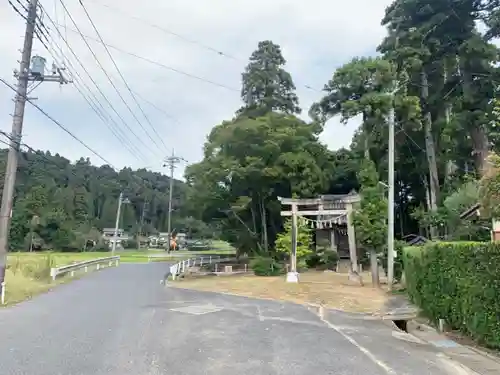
266, 85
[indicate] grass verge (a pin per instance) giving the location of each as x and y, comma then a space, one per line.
327, 288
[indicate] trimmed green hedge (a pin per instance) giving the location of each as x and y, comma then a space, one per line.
458, 282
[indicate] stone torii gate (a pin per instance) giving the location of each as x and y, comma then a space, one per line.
321, 207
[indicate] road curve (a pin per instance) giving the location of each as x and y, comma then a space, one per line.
122, 321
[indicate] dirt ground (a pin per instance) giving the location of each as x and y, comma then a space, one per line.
330, 289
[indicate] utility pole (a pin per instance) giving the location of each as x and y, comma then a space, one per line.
171, 162
144, 205
24, 76
390, 198
121, 200
390, 195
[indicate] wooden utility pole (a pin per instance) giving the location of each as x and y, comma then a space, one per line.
171, 162
24, 76
139, 233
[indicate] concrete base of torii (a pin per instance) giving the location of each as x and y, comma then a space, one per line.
292, 277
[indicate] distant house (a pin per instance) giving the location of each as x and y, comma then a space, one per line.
414, 239
108, 236
161, 239
475, 211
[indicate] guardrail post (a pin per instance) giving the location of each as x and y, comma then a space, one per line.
116, 263
86, 268
201, 262
72, 273
98, 266
2, 296
210, 259
110, 263
216, 268
183, 266
188, 262
245, 268
53, 273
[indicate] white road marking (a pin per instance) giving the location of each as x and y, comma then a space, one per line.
198, 310
361, 348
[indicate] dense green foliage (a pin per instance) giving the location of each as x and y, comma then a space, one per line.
435, 68
266, 266
370, 217
458, 282
441, 70
65, 204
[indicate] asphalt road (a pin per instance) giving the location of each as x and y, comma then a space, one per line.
122, 321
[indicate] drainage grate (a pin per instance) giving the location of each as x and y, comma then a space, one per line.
198, 310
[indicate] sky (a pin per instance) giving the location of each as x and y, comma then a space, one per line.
182, 62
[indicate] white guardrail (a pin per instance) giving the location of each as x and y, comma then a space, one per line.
182, 266
71, 268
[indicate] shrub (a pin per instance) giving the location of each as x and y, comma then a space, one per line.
323, 259
329, 259
458, 282
398, 261
266, 266
313, 260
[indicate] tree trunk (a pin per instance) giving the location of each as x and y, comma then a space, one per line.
476, 131
374, 269
366, 138
428, 203
450, 164
430, 148
265, 241
254, 220
480, 149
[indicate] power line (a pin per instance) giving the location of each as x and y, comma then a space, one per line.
17, 10
99, 113
66, 130
170, 32
161, 65
105, 73
186, 39
158, 108
96, 85
94, 102
124, 81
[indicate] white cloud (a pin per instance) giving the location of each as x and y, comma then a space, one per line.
316, 37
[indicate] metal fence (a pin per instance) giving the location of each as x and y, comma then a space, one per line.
72, 268
182, 266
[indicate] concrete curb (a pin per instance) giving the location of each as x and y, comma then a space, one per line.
366, 316
460, 369
478, 351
